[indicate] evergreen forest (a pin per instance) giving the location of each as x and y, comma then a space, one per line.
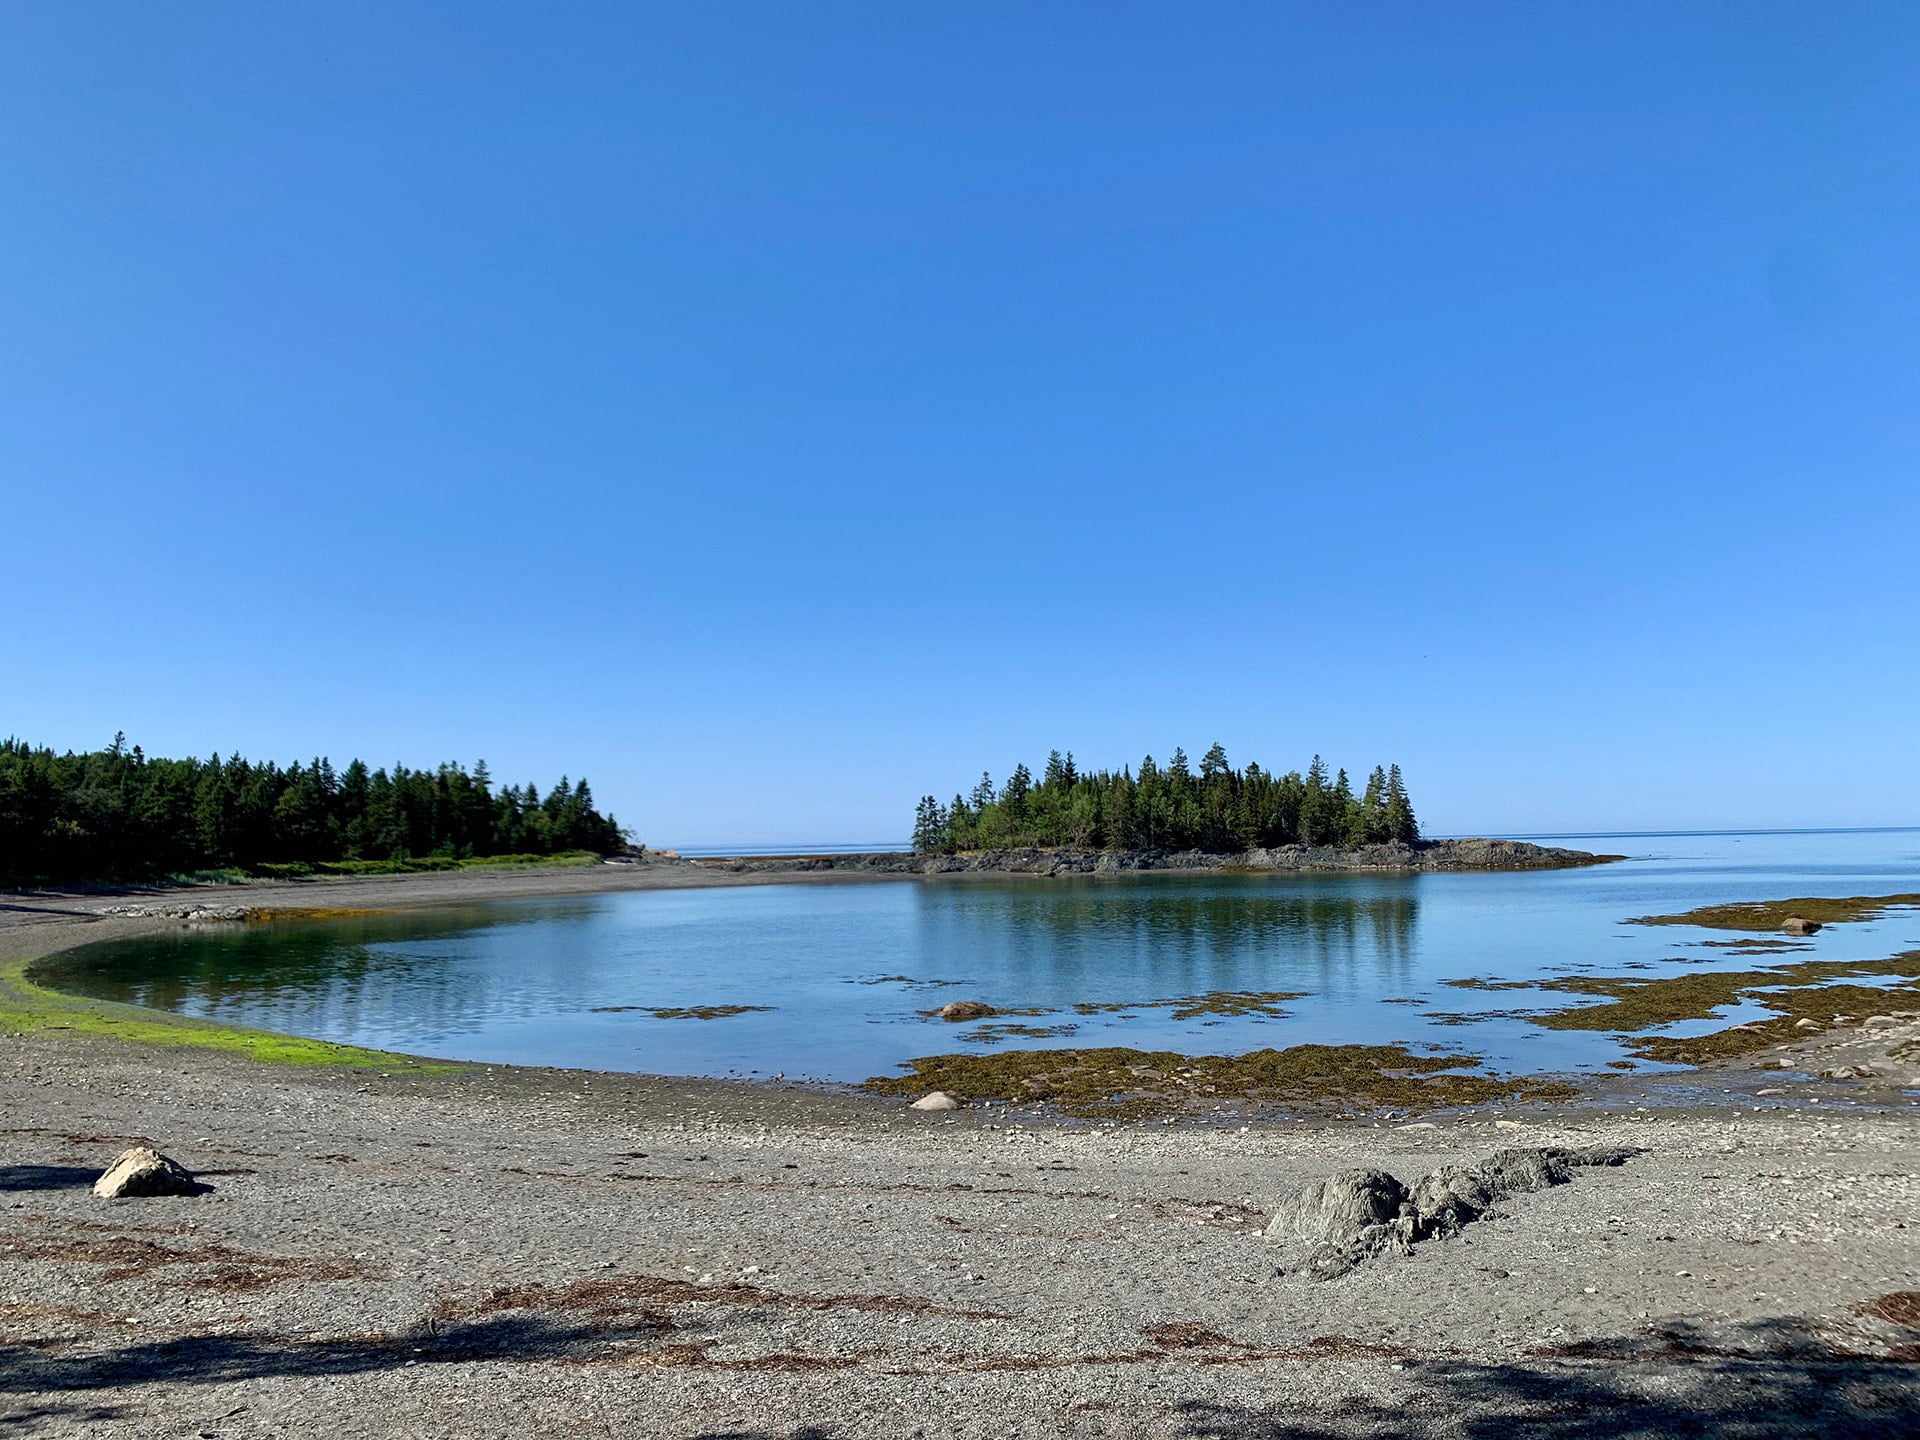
1172, 807
118, 814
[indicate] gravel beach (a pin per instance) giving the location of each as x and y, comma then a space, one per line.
503, 1252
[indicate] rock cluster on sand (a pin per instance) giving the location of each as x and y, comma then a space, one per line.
935, 1100
188, 911
1353, 1215
143, 1170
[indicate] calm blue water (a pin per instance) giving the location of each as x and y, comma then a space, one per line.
845, 968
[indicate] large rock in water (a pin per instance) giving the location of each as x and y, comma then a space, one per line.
1799, 925
144, 1171
965, 1010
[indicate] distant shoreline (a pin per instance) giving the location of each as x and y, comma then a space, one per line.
1419, 856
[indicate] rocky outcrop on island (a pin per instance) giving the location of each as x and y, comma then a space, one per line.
1477, 854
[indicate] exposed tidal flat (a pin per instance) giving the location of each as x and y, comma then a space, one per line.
1494, 971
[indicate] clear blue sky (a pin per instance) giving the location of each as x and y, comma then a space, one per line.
776, 412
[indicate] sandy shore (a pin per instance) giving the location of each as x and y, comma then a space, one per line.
499, 1252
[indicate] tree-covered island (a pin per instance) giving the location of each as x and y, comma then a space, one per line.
119, 814
1218, 809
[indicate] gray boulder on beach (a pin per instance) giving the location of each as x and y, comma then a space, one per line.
1336, 1209
143, 1170
1333, 1225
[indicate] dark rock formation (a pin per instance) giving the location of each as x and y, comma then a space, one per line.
1350, 1217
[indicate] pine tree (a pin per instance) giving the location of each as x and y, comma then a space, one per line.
1315, 828
1401, 824
983, 793
928, 827
1373, 805
1222, 810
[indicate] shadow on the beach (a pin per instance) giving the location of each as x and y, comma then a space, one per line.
34, 1419
1763, 1381
226, 1359
46, 1177
1769, 1386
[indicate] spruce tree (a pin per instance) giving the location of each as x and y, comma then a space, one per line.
927, 836
1401, 824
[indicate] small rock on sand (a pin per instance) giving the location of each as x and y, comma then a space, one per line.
937, 1100
144, 1171
965, 1010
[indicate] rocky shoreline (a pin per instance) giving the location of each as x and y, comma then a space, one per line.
1470, 854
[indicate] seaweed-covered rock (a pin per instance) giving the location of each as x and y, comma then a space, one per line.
965, 1010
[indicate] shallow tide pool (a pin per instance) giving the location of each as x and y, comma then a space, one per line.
832, 980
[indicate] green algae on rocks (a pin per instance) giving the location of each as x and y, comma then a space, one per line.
1764, 915
1120, 1083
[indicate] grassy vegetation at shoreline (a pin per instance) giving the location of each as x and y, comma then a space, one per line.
26, 1008
429, 864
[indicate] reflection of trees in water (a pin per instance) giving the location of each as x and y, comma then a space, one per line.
332, 978
1172, 930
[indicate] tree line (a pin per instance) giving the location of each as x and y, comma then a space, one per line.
118, 814
1219, 809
